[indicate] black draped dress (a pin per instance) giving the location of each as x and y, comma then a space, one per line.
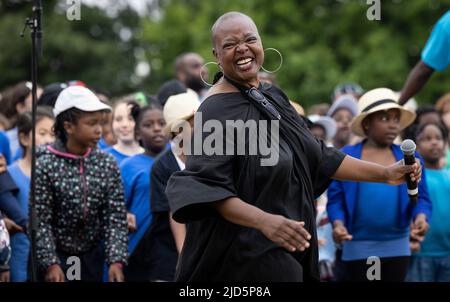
218, 250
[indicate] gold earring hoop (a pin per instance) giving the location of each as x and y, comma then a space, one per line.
204, 65
281, 60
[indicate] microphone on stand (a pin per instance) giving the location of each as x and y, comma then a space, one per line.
37, 12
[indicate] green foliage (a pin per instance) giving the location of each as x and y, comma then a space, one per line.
89, 50
323, 42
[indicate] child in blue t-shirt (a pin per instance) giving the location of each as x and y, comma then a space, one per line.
135, 172
20, 172
432, 262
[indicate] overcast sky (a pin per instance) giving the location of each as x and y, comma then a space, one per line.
112, 5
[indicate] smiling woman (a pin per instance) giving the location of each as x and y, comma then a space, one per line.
247, 221
238, 48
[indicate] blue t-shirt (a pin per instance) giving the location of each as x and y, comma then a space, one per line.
376, 230
437, 240
18, 155
436, 53
20, 244
102, 144
4, 147
135, 172
13, 137
363, 249
119, 156
377, 215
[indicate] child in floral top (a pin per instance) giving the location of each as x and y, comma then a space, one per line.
79, 195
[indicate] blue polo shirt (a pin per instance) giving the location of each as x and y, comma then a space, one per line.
436, 53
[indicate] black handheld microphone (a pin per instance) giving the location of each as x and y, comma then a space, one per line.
408, 148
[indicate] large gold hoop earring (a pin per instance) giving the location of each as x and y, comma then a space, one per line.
204, 65
281, 60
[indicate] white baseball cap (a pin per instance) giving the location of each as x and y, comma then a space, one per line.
78, 97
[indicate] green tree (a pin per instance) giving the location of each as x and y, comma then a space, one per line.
323, 42
90, 50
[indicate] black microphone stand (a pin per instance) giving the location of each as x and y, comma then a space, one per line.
34, 23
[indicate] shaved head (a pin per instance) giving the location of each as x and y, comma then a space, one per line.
188, 70
238, 48
182, 60
223, 19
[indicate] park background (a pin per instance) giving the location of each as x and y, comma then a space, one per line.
123, 46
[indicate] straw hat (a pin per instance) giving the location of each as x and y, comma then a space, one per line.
298, 108
380, 99
180, 107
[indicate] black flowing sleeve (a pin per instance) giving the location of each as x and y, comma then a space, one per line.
207, 178
330, 161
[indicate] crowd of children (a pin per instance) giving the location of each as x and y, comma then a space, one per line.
102, 167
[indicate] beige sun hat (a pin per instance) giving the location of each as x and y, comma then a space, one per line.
380, 99
178, 108
298, 108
